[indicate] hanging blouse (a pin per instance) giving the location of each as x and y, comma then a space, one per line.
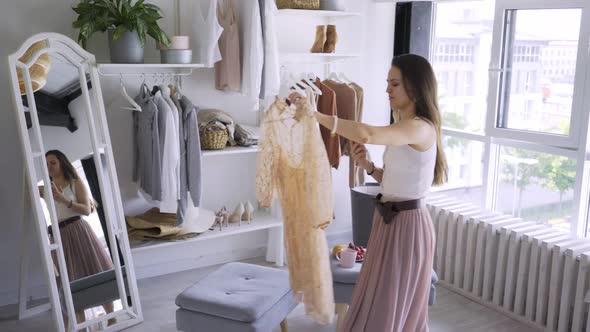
253, 55
147, 155
170, 154
293, 164
357, 173
204, 30
271, 78
228, 71
327, 105
176, 117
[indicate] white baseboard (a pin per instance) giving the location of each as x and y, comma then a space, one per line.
148, 271
492, 306
34, 293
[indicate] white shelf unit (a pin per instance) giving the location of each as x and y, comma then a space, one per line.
260, 221
157, 257
315, 58
319, 56
149, 65
317, 13
231, 150
304, 58
148, 254
137, 69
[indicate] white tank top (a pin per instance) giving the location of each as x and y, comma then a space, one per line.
61, 209
204, 30
407, 172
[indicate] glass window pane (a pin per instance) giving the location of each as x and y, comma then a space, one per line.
467, 40
465, 161
536, 186
540, 85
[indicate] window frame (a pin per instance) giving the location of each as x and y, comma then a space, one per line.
497, 70
575, 146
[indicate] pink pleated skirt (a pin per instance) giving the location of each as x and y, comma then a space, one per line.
83, 252
391, 294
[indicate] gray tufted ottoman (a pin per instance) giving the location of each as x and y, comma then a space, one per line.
237, 297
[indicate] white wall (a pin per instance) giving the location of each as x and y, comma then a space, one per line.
224, 178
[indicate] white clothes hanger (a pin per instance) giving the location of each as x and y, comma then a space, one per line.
289, 85
135, 107
312, 76
311, 83
344, 78
293, 82
334, 77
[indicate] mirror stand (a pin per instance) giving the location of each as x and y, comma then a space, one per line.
28, 235
99, 270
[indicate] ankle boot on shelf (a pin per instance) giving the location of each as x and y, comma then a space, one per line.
248, 213
331, 39
320, 39
236, 216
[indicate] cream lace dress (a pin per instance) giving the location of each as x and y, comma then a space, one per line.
293, 163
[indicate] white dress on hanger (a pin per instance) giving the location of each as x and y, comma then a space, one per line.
204, 31
253, 50
176, 117
170, 156
272, 75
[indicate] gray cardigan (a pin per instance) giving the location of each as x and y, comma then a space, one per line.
190, 151
147, 158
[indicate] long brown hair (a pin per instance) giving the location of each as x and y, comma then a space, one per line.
420, 84
70, 173
65, 165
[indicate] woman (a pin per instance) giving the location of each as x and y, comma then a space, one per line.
392, 291
83, 252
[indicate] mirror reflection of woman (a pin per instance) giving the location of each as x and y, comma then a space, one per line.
84, 254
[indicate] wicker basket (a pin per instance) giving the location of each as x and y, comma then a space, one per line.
213, 138
298, 4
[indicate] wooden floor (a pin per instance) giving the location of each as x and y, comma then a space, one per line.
452, 312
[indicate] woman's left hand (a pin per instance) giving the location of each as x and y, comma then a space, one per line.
300, 102
298, 99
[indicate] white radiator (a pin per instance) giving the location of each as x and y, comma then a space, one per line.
532, 272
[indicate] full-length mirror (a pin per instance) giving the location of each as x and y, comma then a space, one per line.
72, 184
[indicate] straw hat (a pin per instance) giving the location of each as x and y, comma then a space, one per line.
38, 71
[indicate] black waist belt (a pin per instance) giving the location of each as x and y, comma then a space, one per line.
389, 210
64, 223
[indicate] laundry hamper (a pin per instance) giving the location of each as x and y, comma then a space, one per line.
298, 4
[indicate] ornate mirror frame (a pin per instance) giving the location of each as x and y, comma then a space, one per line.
34, 159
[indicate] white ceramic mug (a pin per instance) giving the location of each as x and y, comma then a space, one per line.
347, 258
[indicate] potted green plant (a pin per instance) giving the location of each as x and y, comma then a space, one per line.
127, 25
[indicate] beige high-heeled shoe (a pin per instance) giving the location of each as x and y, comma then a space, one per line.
220, 218
236, 216
248, 213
